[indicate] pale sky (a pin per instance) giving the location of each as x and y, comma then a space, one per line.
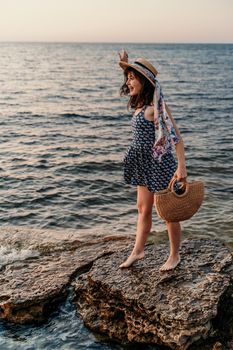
153, 21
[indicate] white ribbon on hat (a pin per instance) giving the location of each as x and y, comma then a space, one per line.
146, 71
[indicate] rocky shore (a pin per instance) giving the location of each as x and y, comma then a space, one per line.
188, 308
176, 308
32, 287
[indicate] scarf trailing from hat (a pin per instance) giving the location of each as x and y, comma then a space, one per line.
167, 135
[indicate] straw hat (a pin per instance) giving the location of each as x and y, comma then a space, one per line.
142, 66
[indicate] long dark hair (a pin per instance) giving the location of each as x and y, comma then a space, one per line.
145, 96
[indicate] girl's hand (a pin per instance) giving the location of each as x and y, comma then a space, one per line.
123, 55
181, 173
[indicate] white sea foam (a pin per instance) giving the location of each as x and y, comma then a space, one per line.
9, 254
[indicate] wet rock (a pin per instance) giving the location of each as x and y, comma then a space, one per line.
175, 308
32, 287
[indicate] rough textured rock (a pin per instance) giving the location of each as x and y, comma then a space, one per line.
175, 308
31, 287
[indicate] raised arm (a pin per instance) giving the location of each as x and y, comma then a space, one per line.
123, 55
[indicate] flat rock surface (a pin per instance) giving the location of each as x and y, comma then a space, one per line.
139, 304
37, 266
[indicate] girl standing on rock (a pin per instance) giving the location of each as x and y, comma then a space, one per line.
149, 163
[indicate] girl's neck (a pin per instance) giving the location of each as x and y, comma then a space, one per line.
139, 108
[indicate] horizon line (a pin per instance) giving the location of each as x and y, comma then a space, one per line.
113, 42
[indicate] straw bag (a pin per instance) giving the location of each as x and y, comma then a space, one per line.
173, 206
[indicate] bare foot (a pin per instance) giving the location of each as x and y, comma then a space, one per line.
132, 258
170, 264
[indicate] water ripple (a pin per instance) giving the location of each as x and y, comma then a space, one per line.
64, 135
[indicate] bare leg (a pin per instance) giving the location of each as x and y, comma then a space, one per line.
174, 233
145, 200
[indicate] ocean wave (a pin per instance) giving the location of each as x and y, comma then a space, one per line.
9, 255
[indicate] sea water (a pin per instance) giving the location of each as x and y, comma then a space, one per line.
64, 130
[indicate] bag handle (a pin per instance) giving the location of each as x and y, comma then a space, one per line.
185, 185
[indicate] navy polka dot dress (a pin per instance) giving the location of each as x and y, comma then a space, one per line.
140, 168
